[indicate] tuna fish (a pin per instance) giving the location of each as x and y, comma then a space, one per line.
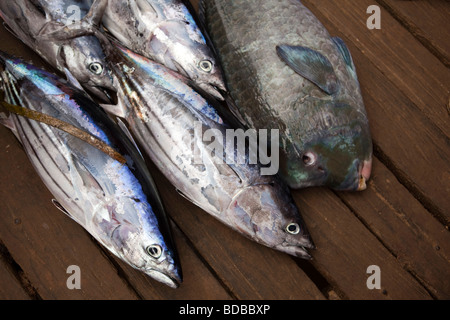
284, 71
83, 57
116, 202
165, 31
164, 114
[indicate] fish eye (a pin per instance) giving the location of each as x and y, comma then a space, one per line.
293, 228
96, 68
206, 65
155, 251
309, 159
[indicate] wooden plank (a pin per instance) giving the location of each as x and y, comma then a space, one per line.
427, 21
416, 149
247, 269
419, 242
198, 281
395, 52
10, 286
43, 241
346, 248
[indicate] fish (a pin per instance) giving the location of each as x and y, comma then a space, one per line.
117, 202
83, 57
284, 71
164, 115
165, 31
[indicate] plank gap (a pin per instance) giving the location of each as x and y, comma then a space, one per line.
120, 271
205, 263
387, 247
411, 187
417, 33
328, 290
18, 272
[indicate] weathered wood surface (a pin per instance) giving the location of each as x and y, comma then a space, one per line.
400, 223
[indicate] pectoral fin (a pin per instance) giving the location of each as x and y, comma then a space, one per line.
311, 65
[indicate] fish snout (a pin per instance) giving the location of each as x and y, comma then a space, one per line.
172, 279
364, 174
106, 95
267, 214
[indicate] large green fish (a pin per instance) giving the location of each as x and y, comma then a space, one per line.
284, 71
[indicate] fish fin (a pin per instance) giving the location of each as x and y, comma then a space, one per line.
89, 25
188, 198
312, 65
124, 128
145, 6
72, 79
114, 109
345, 52
10, 30
200, 19
88, 180
61, 208
118, 110
95, 14
7, 121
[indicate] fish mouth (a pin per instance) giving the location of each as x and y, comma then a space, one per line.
364, 174
295, 244
172, 280
215, 90
296, 250
105, 95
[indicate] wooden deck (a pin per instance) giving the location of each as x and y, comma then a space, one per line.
401, 223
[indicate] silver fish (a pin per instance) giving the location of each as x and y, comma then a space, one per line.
284, 71
82, 57
116, 203
165, 31
162, 112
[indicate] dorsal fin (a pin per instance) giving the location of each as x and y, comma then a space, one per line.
345, 52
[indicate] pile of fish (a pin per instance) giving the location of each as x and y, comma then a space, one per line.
146, 78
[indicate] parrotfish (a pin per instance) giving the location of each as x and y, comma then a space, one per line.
170, 120
284, 71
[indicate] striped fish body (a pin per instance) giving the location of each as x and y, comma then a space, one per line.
165, 31
34, 22
116, 203
286, 72
169, 120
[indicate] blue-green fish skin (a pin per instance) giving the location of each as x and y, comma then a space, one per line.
284, 71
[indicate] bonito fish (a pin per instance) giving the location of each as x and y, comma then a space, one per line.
117, 203
164, 114
284, 71
82, 56
165, 31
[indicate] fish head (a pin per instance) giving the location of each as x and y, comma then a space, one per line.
131, 231
185, 50
84, 58
147, 253
337, 156
267, 214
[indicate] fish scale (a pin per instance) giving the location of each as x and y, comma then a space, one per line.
117, 203
271, 91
